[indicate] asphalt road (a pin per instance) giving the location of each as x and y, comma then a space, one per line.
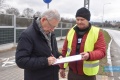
115, 35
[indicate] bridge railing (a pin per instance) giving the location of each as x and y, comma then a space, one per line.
10, 34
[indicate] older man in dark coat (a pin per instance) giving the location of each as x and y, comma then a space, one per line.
37, 48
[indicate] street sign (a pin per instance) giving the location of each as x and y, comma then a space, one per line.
47, 1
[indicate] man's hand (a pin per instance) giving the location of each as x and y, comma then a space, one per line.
60, 57
85, 55
51, 60
62, 73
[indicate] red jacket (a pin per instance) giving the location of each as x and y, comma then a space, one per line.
97, 54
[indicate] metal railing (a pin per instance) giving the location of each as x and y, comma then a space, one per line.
10, 34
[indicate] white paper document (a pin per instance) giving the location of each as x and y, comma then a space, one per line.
68, 59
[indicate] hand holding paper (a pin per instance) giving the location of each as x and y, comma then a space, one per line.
68, 59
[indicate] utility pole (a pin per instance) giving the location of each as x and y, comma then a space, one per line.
86, 3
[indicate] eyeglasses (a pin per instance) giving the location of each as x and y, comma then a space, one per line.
50, 24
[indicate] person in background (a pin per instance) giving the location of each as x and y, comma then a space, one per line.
37, 48
85, 40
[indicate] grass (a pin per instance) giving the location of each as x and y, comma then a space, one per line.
103, 62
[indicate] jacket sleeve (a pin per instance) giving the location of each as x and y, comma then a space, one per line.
24, 53
99, 49
64, 51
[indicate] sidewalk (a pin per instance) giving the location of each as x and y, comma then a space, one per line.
98, 77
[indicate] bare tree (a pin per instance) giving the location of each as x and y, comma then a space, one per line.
37, 14
28, 12
12, 10
3, 5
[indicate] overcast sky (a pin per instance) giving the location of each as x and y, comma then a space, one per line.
68, 8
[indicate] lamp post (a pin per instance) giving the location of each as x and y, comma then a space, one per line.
103, 14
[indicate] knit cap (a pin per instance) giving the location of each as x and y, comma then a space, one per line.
83, 12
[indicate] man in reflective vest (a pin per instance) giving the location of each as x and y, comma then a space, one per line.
86, 40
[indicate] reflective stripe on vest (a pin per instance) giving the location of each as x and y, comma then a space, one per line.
89, 67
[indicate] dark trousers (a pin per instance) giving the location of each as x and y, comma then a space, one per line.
73, 76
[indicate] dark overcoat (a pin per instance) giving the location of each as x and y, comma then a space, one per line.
32, 53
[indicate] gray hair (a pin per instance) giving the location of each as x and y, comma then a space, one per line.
51, 14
